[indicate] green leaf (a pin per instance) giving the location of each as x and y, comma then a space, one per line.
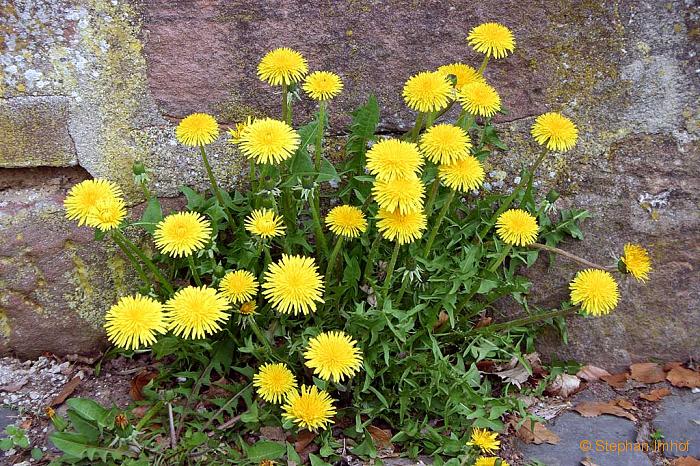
328, 172
316, 461
266, 450
152, 215
6, 443
37, 454
70, 443
86, 408
87, 428
99, 234
362, 128
195, 201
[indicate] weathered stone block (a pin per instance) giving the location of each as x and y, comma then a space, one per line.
56, 282
34, 132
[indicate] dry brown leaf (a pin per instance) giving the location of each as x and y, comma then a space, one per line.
273, 433
536, 434
685, 461
483, 322
140, 411
647, 372
139, 381
381, 437
588, 462
564, 385
596, 408
657, 394
591, 373
670, 365
14, 387
304, 438
26, 424
442, 320
616, 380
66, 391
682, 377
625, 404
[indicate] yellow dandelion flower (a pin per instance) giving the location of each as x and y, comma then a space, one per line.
310, 409
443, 143
273, 382
517, 227
478, 98
83, 198
636, 261
198, 129
347, 221
401, 194
555, 131
264, 223
465, 74
595, 290
428, 91
182, 233
269, 141
237, 132
391, 158
238, 286
489, 461
267, 463
322, 85
282, 66
404, 228
485, 440
462, 175
195, 312
293, 285
333, 356
492, 39
108, 213
248, 308
134, 322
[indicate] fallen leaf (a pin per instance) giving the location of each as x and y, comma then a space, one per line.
682, 377
536, 434
483, 322
591, 373
564, 385
616, 380
140, 411
14, 387
139, 381
647, 372
304, 438
26, 424
442, 320
625, 404
685, 461
273, 433
66, 391
670, 365
596, 408
657, 394
588, 462
517, 374
381, 437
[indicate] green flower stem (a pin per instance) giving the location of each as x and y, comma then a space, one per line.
215, 188
268, 257
483, 65
259, 335
370, 256
499, 259
509, 200
417, 127
193, 269
332, 260
466, 121
440, 218
404, 285
286, 114
131, 258
525, 320
444, 110
319, 135
390, 272
146, 191
318, 230
151, 266
434, 188
430, 119
252, 174
573, 257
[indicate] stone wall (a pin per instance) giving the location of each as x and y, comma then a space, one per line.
87, 87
